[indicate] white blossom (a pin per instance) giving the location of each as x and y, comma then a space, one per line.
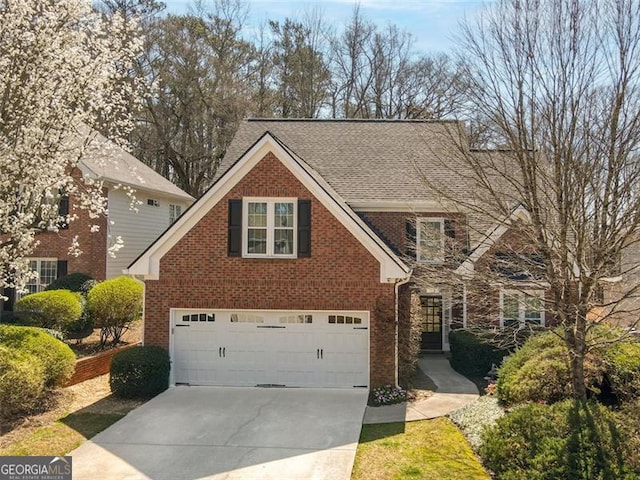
64, 71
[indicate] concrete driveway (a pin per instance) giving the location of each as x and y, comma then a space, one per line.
230, 433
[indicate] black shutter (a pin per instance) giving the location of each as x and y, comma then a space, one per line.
234, 245
63, 210
62, 269
410, 240
10, 293
304, 228
449, 229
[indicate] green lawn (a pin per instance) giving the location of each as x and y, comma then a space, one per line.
429, 449
62, 436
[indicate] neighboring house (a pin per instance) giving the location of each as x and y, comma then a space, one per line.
158, 203
295, 267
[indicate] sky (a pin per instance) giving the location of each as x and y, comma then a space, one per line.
432, 23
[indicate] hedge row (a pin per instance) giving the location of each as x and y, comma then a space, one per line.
471, 355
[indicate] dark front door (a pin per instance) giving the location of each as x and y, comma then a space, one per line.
431, 323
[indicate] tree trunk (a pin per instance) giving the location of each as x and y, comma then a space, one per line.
576, 341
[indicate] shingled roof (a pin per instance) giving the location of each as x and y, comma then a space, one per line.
366, 160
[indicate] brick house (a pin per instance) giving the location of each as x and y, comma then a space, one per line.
160, 203
295, 267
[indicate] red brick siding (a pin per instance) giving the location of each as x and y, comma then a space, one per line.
95, 365
93, 260
392, 225
340, 274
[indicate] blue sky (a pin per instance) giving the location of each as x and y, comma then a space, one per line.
432, 23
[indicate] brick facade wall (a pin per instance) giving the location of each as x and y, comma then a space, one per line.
340, 274
93, 260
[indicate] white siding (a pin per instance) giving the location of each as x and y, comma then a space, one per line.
137, 229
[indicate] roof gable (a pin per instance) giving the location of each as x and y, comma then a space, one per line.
148, 263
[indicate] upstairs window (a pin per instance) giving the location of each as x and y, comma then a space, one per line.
269, 227
522, 307
430, 240
174, 212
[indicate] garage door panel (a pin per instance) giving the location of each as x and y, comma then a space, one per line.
263, 347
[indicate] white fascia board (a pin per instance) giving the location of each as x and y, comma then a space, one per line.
148, 264
491, 237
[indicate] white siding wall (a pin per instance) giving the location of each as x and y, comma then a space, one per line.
137, 229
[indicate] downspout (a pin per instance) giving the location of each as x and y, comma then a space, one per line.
140, 278
464, 305
396, 289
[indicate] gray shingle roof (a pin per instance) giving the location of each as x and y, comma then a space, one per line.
366, 160
105, 160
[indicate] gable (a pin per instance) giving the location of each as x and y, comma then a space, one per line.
268, 153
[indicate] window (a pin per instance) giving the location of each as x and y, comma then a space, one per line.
270, 226
174, 213
296, 319
344, 319
47, 270
519, 308
430, 240
246, 318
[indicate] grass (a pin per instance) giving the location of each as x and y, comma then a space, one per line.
62, 436
428, 449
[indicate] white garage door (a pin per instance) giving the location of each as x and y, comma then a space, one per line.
248, 348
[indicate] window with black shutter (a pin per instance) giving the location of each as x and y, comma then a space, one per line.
63, 211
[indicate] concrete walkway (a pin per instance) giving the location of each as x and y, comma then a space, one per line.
453, 391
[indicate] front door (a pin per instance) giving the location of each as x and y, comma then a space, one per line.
431, 323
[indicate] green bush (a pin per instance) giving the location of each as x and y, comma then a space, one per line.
55, 357
622, 370
72, 282
57, 308
139, 372
539, 371
114, 304
21, 382
471, 355
570, 439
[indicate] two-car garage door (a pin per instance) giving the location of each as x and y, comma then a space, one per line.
265, 347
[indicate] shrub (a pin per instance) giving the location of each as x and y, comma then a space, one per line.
409, 337
540, 370
114, 304
57, 308
55, 357
622, 370
21, 382
72, 282
474, 418
570, 439
471, 355
139, 372
388, 395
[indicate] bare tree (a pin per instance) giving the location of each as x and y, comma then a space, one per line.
559, 83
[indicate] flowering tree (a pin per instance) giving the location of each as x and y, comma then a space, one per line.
64, 74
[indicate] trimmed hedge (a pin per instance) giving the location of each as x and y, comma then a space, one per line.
539, 371
570, 439
114, 304
139, 372
57, 308
471, 356
72, 282
55, 357
21, 382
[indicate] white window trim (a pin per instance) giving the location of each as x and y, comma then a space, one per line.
37, 281
439, 220
270, 201
175, 210
521, 306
